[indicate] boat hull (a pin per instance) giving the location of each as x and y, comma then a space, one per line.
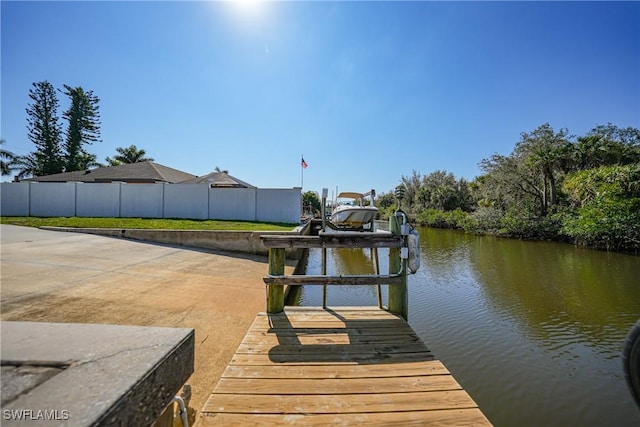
354, 217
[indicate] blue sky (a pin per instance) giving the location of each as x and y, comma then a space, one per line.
367, 91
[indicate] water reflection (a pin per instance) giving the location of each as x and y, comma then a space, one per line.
558, 293
343, 261
350, 261
532, 330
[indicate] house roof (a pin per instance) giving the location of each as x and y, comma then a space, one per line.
219, 180
130, 172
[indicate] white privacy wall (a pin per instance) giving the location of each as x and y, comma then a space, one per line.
233, 204
141, 200
57, 200
14, 199
97, 200
274, 204
189, 201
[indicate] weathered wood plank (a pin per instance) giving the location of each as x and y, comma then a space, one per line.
336, 385
352, 280
335, 332
294, 310
341, 240
343, 403
431, 367
288, 337
295, 324
333, 314
440, 418
343, 350
353, 313
355, 366
328, 358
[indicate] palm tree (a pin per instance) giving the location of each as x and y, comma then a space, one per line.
7, 159
130, 154
27, 166
218, 170
88, 161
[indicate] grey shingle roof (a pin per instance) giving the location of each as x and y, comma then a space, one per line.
219, 179
131, 172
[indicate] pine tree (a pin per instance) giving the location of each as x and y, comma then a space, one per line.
83, 117
44, 129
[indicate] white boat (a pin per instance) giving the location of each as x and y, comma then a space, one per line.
350, 212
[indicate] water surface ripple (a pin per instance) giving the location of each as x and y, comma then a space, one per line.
532, 330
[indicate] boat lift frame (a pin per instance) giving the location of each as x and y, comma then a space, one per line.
394, 240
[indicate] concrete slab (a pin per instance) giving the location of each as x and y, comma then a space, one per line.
64, 277
98, 375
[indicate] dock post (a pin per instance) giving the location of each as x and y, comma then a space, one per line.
398, 295
275, 293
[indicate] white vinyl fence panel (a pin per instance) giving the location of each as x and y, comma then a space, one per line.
14, 199
54, 200
141, 200
272, 205
97, 200
232, 204
188, 201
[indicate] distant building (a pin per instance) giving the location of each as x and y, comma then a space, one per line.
219, 180
133, 173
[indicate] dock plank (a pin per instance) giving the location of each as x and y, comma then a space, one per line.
345, 403
336, 386
341, 366
328, 358
441, 418
432, 367
342, 349
323, 337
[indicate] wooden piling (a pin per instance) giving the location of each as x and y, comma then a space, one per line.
398, 295
275, 292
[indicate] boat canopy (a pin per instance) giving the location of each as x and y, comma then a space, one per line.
350, 195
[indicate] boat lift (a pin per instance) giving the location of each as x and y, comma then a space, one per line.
401, 239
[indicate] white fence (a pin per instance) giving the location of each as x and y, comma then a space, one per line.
188, 201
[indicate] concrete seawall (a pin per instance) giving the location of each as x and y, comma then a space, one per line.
234, 241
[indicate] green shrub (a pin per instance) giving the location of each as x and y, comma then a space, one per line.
485, 220
525, 225
607, 207
441, 219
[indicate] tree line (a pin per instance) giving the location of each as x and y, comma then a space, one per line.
554, 186
59, 149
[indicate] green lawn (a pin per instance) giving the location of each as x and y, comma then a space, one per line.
170, 224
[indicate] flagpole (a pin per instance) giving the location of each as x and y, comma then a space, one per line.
301, 173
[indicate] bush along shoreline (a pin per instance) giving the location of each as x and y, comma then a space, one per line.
582, 190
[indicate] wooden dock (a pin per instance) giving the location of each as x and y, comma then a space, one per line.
310, 366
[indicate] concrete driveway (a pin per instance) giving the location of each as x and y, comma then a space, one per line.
54, 276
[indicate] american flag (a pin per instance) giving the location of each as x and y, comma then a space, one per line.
304, 164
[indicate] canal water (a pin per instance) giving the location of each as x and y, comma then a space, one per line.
532, 330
